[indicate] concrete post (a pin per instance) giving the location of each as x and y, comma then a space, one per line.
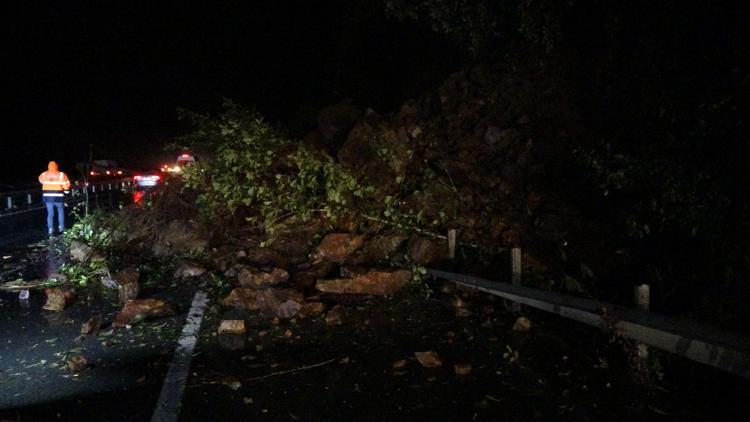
643, 303
452, 243
517, 270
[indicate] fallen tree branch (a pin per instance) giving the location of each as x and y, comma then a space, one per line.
289, 371
16, 285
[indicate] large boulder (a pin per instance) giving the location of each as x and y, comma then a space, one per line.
375, 148
80, 252
381, 248
306, 277
294, 243
337, 119
337, 247
254, 278
424, 251
280, 303
127, 284
138, 309
374, 282
180, 237
262, 257
189, 270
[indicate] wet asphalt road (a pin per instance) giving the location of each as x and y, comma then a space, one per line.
124, 370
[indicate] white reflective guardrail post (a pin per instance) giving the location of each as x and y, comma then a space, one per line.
10, 202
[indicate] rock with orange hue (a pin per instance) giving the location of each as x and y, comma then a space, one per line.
232, 326
429, 359
138, 309
374, 282
336, 247
59, 297
336, 315
462, 369
311, 309
522, 324
251, 277
127, 284
280, 303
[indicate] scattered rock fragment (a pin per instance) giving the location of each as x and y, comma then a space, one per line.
522, 324
232, 326
138, 309
459, 303
462, 369
399, 364
59, 297
251, 277
91, 326
109, 282
231, 382
127, 284
76, 363
335, 315
189, 270
429, 359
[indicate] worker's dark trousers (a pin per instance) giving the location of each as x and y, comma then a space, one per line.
51, 205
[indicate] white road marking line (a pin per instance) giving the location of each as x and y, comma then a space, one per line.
168, 406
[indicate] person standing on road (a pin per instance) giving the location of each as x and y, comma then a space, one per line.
54, 184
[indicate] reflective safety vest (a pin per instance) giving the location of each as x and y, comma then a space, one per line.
53, 185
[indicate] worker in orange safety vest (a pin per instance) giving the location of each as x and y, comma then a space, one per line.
54, 186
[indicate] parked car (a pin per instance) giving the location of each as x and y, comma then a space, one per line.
147, 179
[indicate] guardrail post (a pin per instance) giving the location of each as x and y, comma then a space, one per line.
452, 243
110, 186
10, 202
643, 303
28, 199
517, 270
643, 297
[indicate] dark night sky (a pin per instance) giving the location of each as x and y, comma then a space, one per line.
112, 74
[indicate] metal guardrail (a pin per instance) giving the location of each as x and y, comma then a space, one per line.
708, 345
28, 200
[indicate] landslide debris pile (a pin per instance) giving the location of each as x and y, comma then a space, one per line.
487, 153
483, 153
364, 201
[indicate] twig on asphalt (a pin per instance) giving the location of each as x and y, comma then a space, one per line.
289, 371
